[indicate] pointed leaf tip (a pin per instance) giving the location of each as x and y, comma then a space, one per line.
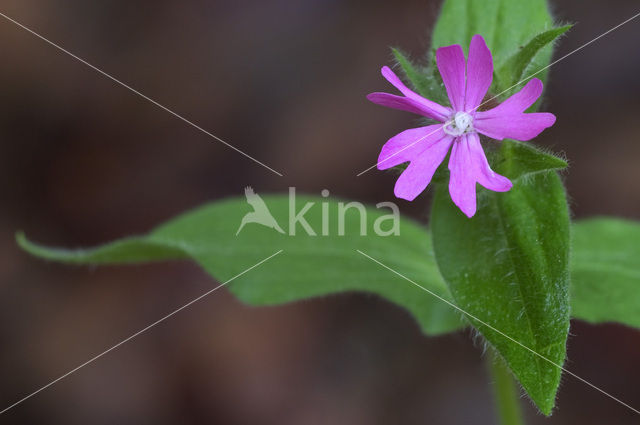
524, 63
207, 235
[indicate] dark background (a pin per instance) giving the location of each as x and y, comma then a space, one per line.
83, 161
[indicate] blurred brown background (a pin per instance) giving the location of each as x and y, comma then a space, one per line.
84, 161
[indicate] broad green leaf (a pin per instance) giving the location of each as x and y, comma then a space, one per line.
521, 64
309, 266
605, 271
506, 25
605, 284
519, 35
508, 267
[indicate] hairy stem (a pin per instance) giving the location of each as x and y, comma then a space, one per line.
505, 391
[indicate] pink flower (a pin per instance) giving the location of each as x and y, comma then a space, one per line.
426, 147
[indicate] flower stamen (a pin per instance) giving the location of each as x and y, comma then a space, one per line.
459, 124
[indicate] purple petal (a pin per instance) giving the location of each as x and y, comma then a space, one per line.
451, 63
484, 174
479, 72
418, 174
462, 182
405, 104
516, 103
517, 126
409, 145
468, 165
413, 101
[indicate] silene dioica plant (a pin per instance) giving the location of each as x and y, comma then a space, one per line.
501, 257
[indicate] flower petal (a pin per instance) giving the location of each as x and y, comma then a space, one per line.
418, 174
413, 103
483, 172
479, 73
451, 64
409, 145
402, 103
516, 126
468, 165
462, 182
516, 103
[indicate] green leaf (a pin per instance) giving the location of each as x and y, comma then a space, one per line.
505, 24
519, 35
310, 266
513, 159
130, 250
422, 79
513, 70
508, 267
416, 76
516, 160
605, 271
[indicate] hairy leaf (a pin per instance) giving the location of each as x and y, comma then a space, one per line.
422, 79
512, 71
517, 160
508, 267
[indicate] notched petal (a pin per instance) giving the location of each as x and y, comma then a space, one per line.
451, 64
516, 103
409, 145
521, 127
415, 179
425, 106
462, 184
479, 73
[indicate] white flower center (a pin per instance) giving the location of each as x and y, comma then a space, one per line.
459, 124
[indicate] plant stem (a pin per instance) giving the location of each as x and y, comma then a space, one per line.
505, 391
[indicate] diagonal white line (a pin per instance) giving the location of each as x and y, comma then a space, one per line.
137, 333
499, 332
406, 147
164, 108
504, 91
562, 58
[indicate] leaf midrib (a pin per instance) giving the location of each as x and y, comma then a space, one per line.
519, 286
414, 263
